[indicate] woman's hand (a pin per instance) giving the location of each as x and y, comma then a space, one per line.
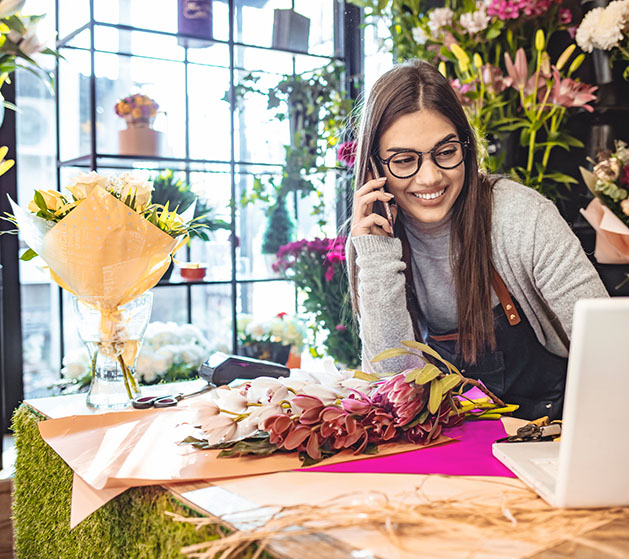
365, 221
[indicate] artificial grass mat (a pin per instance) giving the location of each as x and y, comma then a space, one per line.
131, 526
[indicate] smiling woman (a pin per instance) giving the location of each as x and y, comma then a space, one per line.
481, 268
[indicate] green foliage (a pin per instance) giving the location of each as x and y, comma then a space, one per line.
132, 526
316, 107
279, 229
167, 189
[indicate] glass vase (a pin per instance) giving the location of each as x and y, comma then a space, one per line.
113, 339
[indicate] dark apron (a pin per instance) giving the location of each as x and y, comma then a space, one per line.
520, 370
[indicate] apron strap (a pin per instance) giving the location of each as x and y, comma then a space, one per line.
505, 298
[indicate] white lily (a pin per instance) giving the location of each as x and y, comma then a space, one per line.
10, 7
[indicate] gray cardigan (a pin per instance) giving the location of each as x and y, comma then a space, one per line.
534, 251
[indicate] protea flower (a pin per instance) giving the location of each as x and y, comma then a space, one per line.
404, 400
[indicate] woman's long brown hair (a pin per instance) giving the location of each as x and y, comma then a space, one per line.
407, 88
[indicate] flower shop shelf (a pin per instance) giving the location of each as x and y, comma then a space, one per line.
118, 161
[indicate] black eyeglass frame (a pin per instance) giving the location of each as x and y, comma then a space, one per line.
420, 157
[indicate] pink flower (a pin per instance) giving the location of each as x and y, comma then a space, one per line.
404, 400
569, 93
329, 273
503, 9
565, 17
624, 176
380, 425
278, 427
340, 328
346, 153
310, 406
342, 430
518, 72
494, 79
357, 403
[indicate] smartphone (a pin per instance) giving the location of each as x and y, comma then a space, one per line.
380, 207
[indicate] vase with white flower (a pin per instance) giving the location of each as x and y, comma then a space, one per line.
107, 244
139, 137
606, 29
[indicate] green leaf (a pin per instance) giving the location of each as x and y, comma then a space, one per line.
423, 416
436, 394
389, 353
428, 373
371, 448
39, 200
429, 351
412, 375
449, 382
28, 255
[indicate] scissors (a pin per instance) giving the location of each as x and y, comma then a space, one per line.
168, 401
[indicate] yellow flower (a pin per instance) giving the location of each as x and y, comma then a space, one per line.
540, 40
52, 198
5, 165
124, 108
136, 113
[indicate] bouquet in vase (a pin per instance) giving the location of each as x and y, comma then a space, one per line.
107, 244
608, 213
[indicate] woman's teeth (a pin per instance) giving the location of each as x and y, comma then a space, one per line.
430, 196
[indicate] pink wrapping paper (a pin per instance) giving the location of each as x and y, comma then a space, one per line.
469, 455
612, 235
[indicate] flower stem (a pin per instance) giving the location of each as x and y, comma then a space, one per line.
127, 385
484, 390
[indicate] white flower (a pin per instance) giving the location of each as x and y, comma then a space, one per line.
145, 367
419, 35
603, 28
76, 363
28, 41
438, 18
139, 188
84, 183
10, 7
474, 22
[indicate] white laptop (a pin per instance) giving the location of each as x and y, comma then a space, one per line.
589, 466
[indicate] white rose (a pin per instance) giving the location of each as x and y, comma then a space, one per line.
84, 183
140, 188
76, 363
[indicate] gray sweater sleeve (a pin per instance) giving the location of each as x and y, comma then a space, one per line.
384, 319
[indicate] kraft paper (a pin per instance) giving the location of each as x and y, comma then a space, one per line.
612, 235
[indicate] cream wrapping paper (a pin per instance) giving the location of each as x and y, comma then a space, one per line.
612, 235
102, 251
114, 451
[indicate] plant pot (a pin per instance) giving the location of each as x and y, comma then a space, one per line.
267, 351
113, 339
141, 140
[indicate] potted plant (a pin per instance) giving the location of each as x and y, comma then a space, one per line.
139, 138
178, 194
278, 232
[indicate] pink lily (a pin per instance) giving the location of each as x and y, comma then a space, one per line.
569, 93
518, 72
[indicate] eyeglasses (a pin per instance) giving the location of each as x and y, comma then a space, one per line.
406, 163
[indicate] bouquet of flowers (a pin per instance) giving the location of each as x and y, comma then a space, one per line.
106, 243
608, 213
606, 29
319, 415
137, 110
317, 268
271, 339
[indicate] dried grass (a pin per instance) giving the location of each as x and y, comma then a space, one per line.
516, 515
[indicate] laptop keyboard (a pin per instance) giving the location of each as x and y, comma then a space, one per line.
548, 465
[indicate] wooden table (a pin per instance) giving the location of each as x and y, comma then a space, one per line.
285, 488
